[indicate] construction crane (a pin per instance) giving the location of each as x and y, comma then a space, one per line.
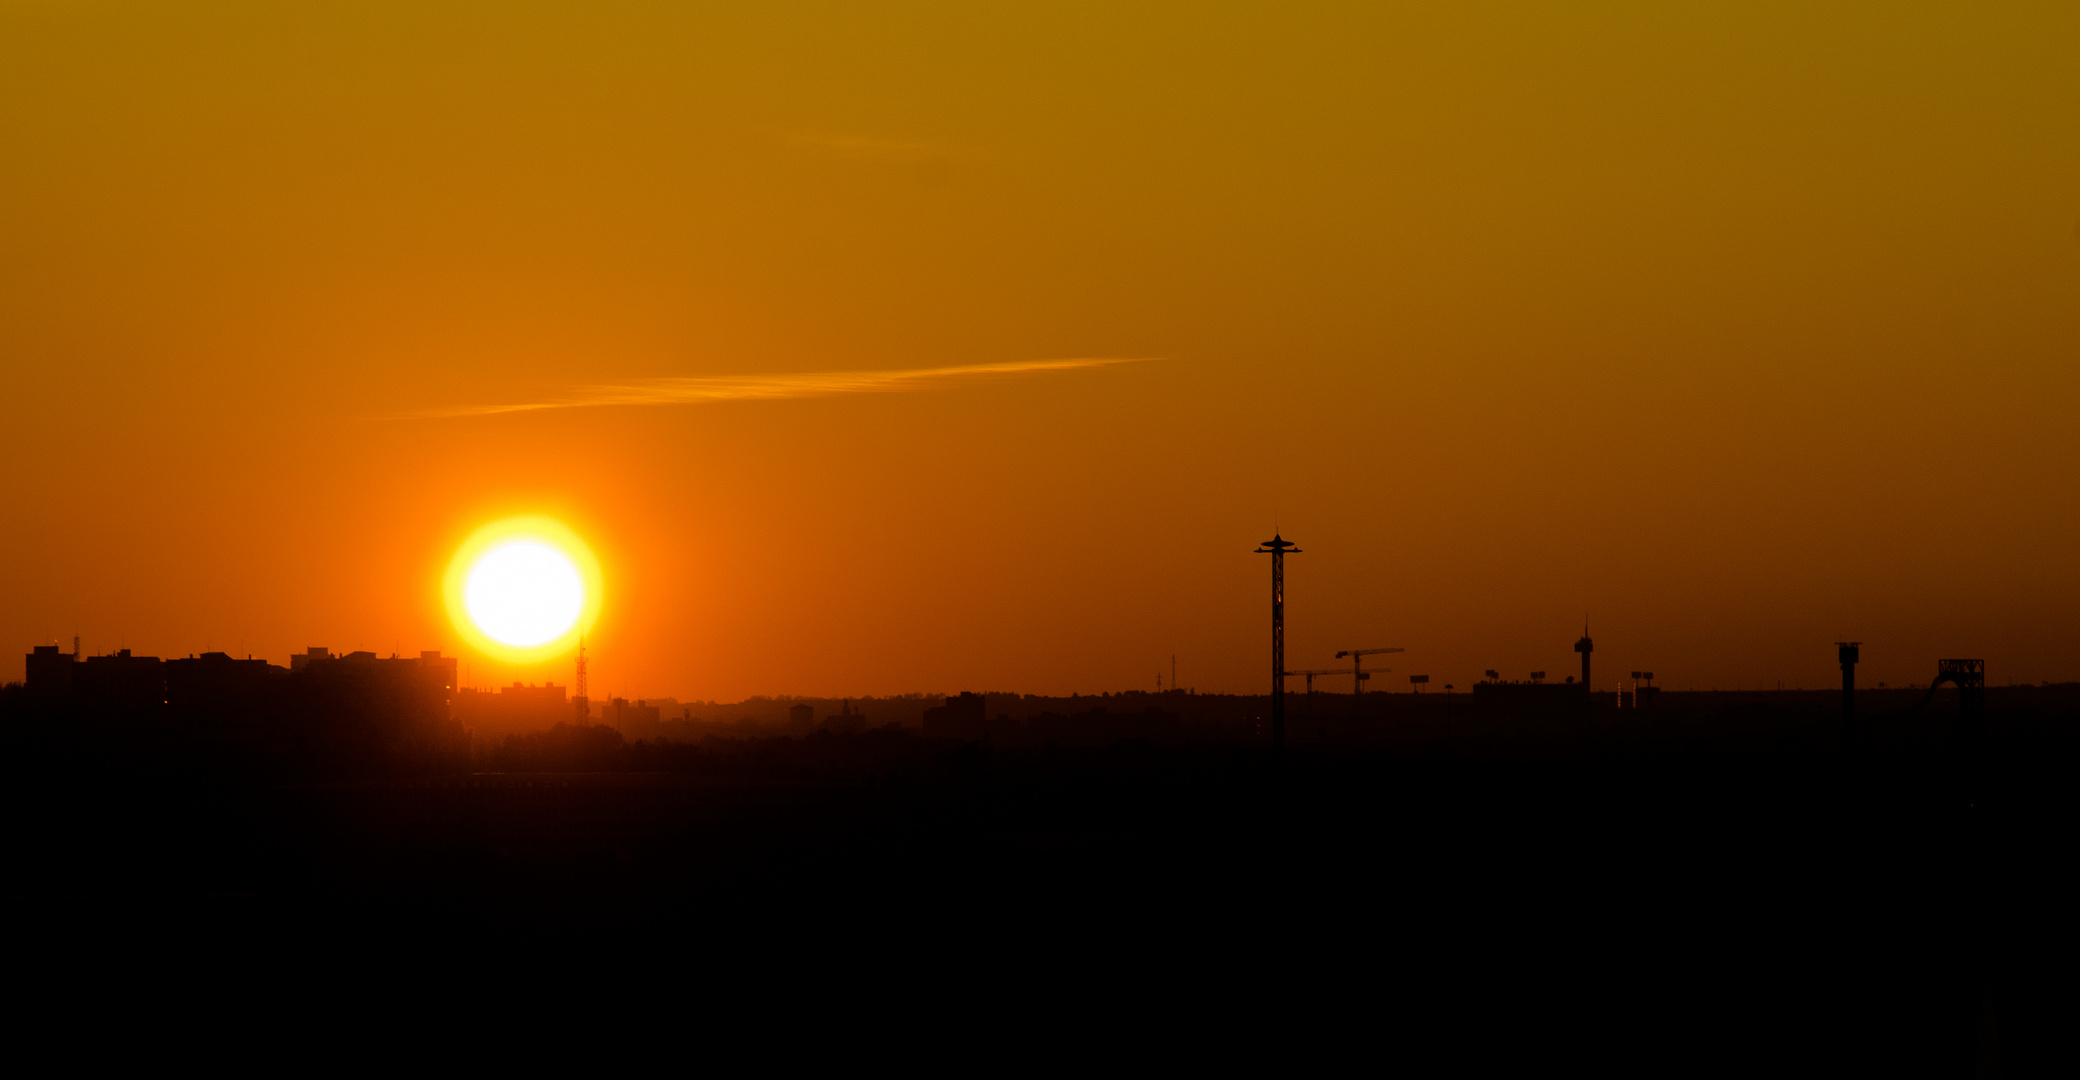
1358, 674
1310, 673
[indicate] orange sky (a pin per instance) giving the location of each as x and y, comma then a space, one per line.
1739, 327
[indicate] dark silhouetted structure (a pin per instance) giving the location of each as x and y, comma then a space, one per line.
1358, 674
1969, 676
1585, 647
333, 803
512, 710
1310, 673
50, 673
216, 687
846, 719
581, 699
964, 717
634, 720
120, 683
1536, 700
374, 715
324, 715
1847, 653
1277, 547
1643, 689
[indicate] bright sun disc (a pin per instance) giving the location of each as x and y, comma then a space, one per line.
524, 593
523, 589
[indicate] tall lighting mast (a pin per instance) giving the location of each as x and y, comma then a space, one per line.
1276, 547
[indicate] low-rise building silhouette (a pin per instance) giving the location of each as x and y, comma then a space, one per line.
846, 719
512, 710
634, 720
963, 717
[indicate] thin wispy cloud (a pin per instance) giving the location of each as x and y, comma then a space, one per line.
708, 389
863, 146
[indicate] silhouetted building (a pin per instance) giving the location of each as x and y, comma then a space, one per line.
846, 718
1585, 647
1642, 694
964, 717
215, 687
120, 683
49, 673
513, 710
638, 720
801, 719
372, 714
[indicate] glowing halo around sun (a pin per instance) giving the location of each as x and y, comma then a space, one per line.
523, 590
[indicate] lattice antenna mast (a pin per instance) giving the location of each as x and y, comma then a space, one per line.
1277, 547
581, 699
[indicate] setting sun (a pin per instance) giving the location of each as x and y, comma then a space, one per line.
523, 589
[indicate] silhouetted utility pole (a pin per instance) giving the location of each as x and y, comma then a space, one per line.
1277, 547
1847, 653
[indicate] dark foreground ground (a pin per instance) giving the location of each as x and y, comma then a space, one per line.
1668, 905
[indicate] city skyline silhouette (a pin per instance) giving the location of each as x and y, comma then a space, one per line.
1676, 327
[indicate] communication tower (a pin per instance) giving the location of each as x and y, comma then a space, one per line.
580, 702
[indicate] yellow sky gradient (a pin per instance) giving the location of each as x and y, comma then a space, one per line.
1739, 327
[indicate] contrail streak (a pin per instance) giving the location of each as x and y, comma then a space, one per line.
704, 389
